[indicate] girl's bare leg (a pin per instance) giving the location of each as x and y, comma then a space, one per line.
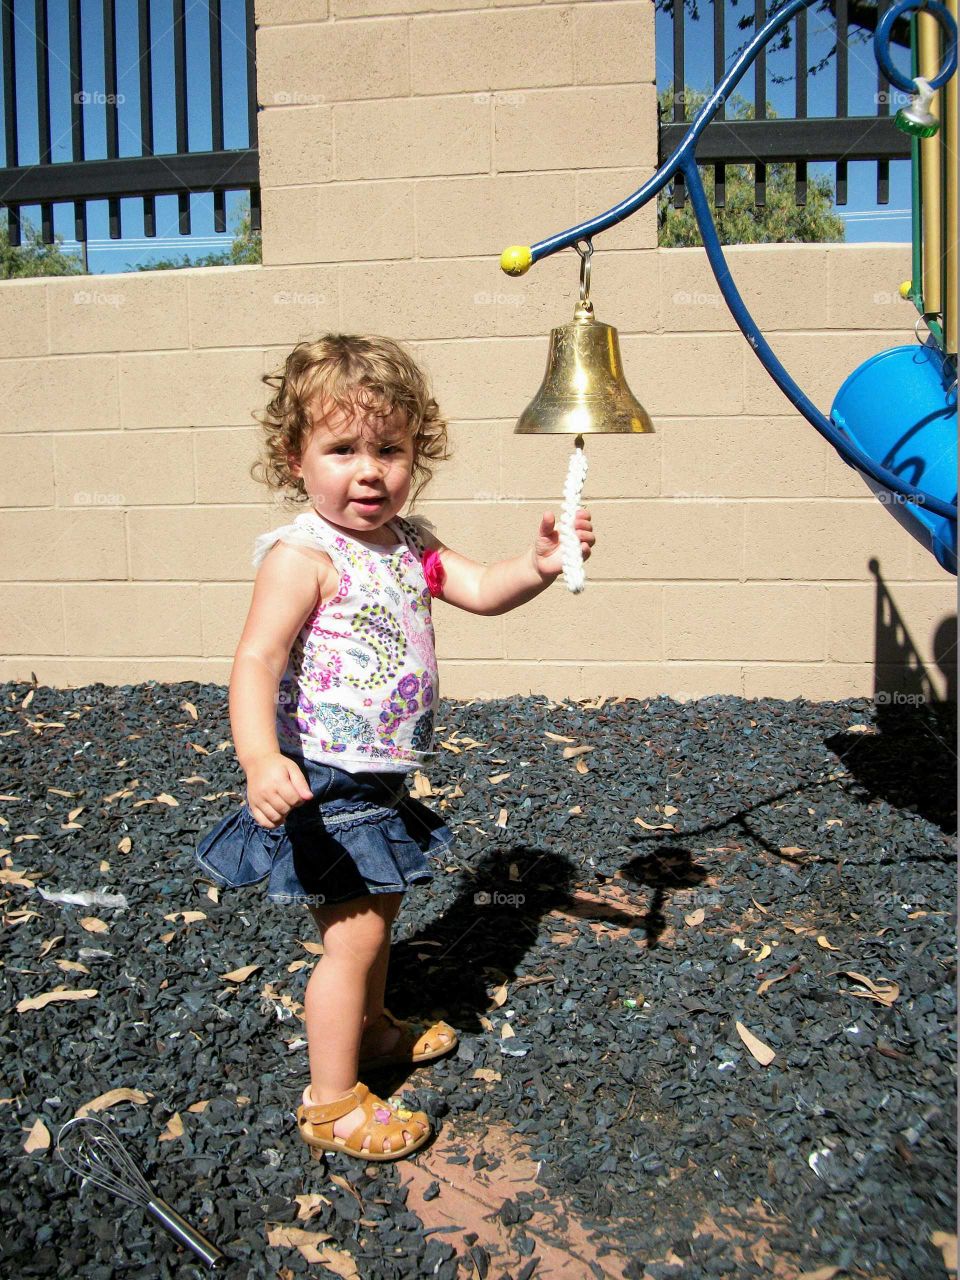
380, 1036
353, 935
377, 981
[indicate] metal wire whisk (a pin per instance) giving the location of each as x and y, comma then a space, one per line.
93, 1150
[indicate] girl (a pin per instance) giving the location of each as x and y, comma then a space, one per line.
332, 700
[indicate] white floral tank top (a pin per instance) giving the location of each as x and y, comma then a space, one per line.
360, 686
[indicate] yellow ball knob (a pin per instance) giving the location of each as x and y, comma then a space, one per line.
516, 260
905, 288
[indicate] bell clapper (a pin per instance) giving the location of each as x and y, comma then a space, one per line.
573, 572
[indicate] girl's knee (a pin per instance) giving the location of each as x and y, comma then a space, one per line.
356, 930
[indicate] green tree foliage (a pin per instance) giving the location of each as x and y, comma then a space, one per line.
740, 222
34, 258
246, 249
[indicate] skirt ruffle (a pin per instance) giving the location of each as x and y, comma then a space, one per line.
327, 853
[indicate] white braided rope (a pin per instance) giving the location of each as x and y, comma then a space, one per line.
573, 573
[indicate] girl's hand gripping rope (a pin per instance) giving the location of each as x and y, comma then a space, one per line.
547, 551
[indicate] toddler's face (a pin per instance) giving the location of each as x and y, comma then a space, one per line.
356, 468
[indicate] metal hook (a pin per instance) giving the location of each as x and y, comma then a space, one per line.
585, 256
916, 329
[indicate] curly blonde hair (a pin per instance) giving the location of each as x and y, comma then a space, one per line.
374, 374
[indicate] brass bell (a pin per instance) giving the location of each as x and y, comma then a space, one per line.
583, 389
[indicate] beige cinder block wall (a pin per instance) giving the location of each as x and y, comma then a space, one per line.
403, 144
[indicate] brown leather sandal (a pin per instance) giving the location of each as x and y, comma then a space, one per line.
382, 1121
416, 1044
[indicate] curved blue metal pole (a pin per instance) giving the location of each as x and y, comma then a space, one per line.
748, 327
684, 160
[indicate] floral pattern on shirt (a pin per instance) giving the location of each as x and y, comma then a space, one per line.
361, 681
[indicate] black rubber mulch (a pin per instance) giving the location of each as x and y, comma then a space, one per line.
700, 865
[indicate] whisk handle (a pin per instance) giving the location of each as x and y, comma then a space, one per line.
181, 1230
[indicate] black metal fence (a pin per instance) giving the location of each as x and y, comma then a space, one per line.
800, 139
112, 177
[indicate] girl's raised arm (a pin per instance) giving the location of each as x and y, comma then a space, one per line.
497, 588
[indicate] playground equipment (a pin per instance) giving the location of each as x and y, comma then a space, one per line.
894, 418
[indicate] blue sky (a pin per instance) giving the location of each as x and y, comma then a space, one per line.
864, 220
104, 254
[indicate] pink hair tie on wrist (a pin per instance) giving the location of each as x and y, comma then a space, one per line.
434, 572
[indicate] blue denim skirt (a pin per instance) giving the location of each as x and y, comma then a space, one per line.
361, 833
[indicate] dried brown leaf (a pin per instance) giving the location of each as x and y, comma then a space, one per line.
38, 1139
305, 1241
421, 786
488, 1074
241, 975
310, 1205
884, 993
10, 876
767, 983
946, 1242
762, 1052
110, 1099
14, 918
54, 997
173, 1130
93, 925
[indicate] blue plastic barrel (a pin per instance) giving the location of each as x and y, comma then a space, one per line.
900, 408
